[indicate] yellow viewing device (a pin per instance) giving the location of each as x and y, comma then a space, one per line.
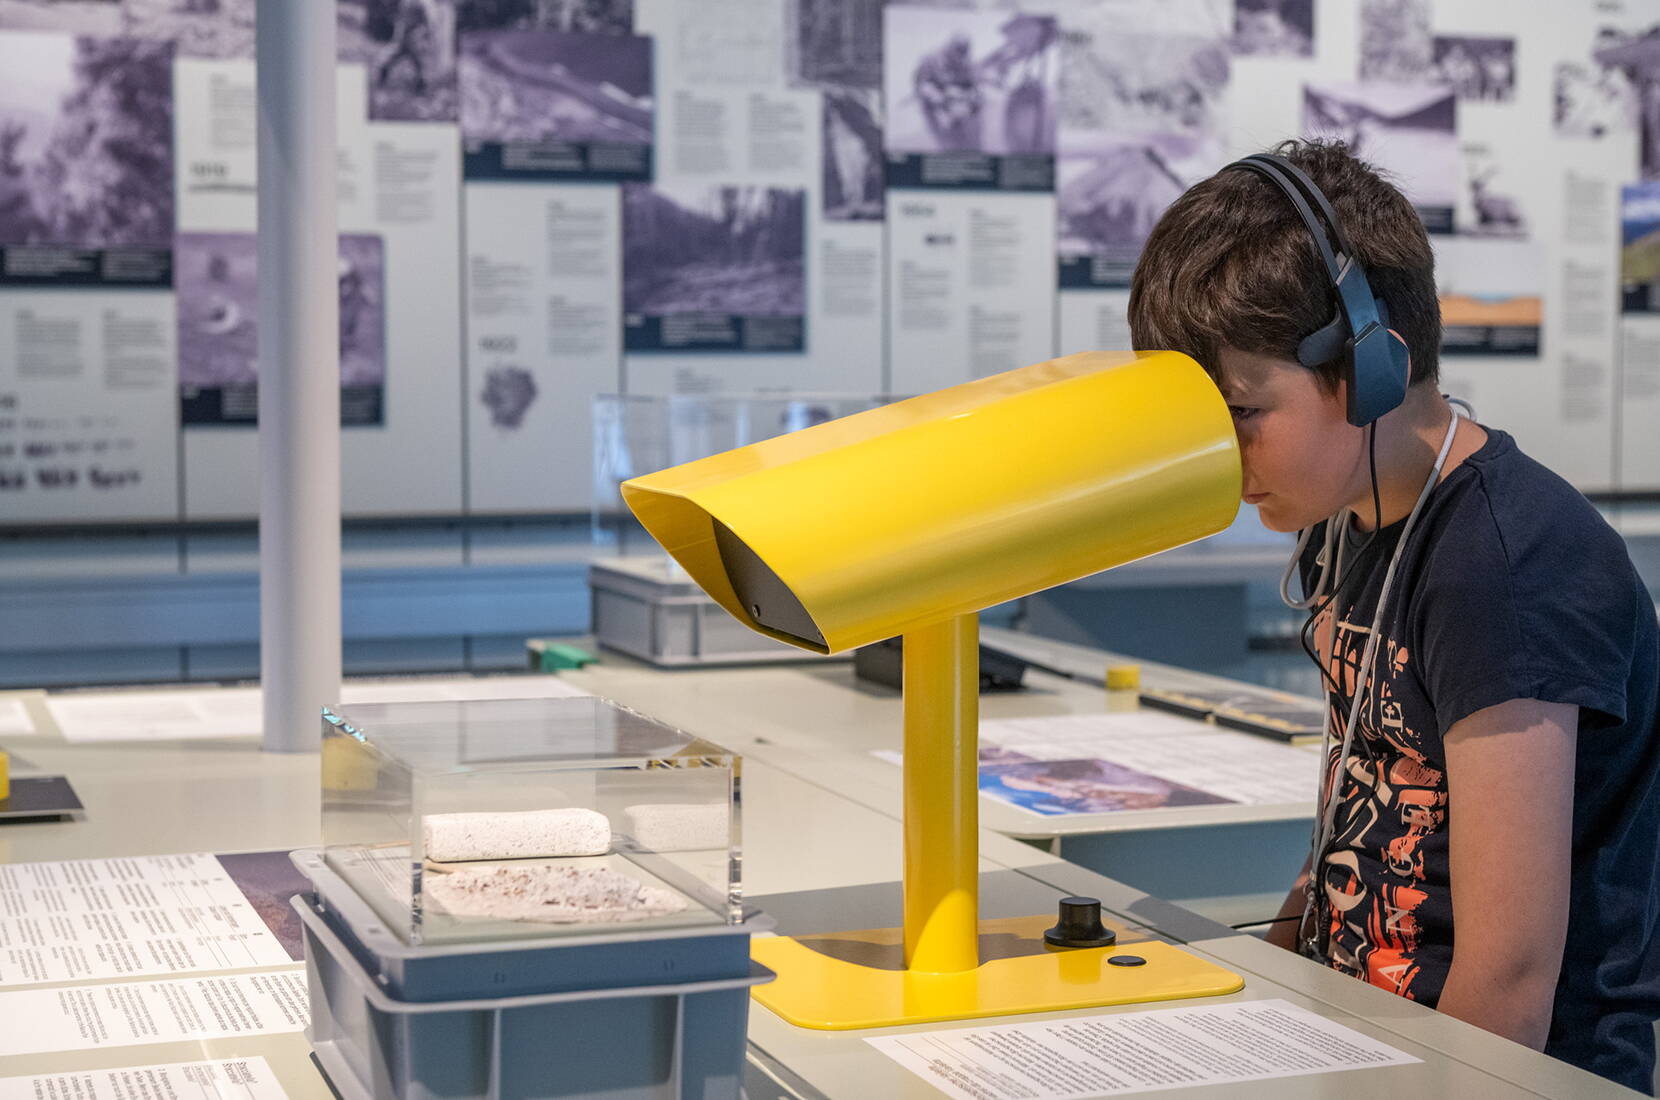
908, 520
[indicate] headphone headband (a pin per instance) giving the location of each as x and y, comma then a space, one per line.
1375, 361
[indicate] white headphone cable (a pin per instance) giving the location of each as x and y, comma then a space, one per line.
1327, 804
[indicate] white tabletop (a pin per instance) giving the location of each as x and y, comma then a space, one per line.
822, 841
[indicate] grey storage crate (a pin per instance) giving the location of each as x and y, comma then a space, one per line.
646, 607
661, 1016
671, 1041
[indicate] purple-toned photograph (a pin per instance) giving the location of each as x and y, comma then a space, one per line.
1408, 130
701, 248
1108, 202
1492, 207
86, 141
218, 309
961, 81
1273, 28
852, 159
508, 393
1591, 100
1001, 754
94, 17
1396, 43
534, 85
1635, 55
1475, 67
1087, 786
361, 278
199, 28
570, 16
835, 43
1167, 84
268, 880
408, 50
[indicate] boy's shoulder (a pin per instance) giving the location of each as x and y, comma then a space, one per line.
1534, 517
1522, 589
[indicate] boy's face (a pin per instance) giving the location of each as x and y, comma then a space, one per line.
1303, 460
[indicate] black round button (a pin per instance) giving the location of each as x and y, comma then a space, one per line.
1127, 960
1080, 925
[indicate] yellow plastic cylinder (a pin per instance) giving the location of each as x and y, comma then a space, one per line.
955, 501
1123, 677
942, 819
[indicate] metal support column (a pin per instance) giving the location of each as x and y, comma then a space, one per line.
299, 371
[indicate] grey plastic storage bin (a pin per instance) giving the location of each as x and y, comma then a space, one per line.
648, 1013
679, 1040
623, 956
648, 608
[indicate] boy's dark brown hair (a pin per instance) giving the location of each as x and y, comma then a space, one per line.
1230, 264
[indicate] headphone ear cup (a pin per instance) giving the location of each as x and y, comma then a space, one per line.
1352, 386
1377, 375
1400, 358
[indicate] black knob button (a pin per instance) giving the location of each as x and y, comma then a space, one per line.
1080, 925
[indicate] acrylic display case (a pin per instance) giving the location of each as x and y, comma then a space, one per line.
495, 819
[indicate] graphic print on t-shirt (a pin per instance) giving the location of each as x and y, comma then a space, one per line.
1391, 821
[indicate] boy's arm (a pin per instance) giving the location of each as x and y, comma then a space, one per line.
1510, 780
1283, 932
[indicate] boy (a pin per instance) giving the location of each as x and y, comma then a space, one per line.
1502, 775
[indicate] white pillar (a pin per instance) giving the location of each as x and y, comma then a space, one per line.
299, 371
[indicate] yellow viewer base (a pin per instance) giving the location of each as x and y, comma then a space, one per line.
855, 979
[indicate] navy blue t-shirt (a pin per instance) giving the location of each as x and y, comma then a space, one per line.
1511, 586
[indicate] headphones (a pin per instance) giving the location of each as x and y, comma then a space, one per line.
1374, 360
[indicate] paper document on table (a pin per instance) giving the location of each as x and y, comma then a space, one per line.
116, 1014
157, 715
1135, 1052
201, 713
14, 718
231, 1079
91, 919
1234, 767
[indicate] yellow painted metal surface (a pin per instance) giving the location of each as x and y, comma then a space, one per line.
942, 799
820, 990
5, 776
954, 501
907, 520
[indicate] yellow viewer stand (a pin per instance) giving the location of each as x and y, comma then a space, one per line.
908, 520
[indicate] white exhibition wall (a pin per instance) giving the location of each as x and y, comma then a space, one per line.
543, 200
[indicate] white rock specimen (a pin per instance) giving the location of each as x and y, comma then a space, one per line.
678, 827
573, 831
555, 893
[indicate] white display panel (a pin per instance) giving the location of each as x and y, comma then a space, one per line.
971, 287
398, 187
730, 117
1128, 147
783, 248
1093, 320
544, 330
1639, 454
88, 406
